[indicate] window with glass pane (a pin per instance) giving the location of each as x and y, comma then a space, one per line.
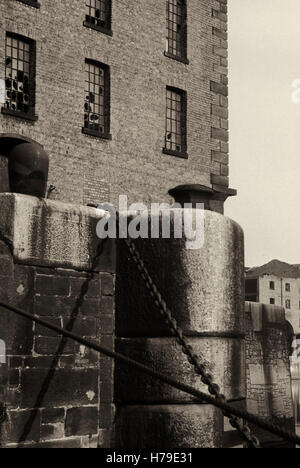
176, 121
98, 14
96, 106
19, 74
176, 28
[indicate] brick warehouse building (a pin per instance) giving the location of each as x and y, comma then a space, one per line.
115, 136
127, 97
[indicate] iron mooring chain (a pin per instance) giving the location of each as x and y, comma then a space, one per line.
214, 389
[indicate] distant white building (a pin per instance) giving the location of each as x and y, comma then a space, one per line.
276, 283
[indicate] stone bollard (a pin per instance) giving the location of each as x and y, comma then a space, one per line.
204, 289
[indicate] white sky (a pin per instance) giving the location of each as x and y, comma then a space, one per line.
264, 49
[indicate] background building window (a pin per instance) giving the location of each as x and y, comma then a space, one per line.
252, 289
97, 99
98, 15
272, 301
272, 285
288, 304
287, 287
176, 112
20, 76
176, 43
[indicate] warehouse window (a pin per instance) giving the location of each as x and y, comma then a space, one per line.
33, 3
287, 287
176, 110
288, 304
19, 77
176, 42
97, 99
272, 301
98, 15
272, 285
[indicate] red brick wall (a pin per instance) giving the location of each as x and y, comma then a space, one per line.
76, 408
86, 169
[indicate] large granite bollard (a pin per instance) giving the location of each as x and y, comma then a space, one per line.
204, 289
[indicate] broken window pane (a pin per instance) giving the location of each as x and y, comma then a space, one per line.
17, 74
96, 106
98, 13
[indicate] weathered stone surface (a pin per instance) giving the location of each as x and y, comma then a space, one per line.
81, 421
269, 389
16, 289
219, 88
169, 427
65, 387
66, 443
107, 284
50, 233
52, 431
224, 358
257, 375
53, 415
79, 387
4, 177
13, 428
203, 288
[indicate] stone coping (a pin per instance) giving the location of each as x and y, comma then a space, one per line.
48, 233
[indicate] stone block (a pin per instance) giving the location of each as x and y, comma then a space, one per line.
171, 427
78, 386
14, 427
81, 421
52, 285
219, 88
65, 443
53, 415
223, 357
257, 375
107, 284
49, 233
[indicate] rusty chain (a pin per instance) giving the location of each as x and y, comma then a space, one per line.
214, 389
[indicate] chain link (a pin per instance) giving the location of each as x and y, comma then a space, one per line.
214, 389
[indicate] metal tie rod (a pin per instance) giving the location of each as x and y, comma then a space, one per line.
256, 420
